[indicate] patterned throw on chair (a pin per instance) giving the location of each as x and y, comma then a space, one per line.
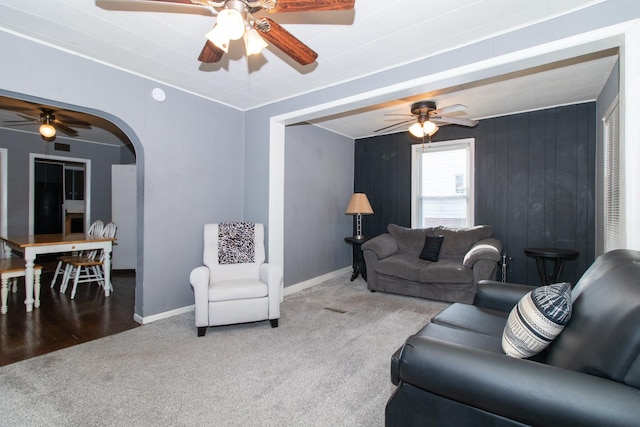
236, 243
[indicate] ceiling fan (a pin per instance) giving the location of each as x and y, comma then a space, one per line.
235, 21
428, 117
49, 123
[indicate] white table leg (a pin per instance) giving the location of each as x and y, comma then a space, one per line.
4, 292
36, 287
107, 271
29, 257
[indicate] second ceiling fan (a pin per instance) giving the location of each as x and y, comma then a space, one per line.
428, 117
235, 21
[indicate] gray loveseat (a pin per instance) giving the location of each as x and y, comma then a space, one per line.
467, 255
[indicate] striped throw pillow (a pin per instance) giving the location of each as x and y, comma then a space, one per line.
536, 320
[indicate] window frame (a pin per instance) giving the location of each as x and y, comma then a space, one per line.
416, 165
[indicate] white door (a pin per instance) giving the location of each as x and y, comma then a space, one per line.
123, 213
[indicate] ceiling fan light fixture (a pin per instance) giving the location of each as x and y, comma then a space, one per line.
420, 130
47, 130
253, 42
218, 37
232, 23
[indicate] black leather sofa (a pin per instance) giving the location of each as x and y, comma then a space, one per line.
453, 372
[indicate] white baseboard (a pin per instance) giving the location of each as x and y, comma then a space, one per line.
287, 291
315, 281
165, 314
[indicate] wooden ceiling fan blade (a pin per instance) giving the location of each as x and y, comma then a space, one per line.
312, 5
275, 34
19, 122
29, 117
64, 128
189, 2
394, 125
210, 53
441, 120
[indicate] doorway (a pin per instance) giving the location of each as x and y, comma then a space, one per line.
59, 201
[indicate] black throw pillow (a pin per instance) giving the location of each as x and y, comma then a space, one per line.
431, 248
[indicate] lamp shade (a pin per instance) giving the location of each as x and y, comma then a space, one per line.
359, 204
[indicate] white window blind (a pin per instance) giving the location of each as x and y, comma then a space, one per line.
612, 210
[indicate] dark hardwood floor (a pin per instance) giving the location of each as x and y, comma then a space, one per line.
61, 322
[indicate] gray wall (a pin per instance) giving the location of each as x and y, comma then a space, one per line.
19, 145
189, 153
319, 184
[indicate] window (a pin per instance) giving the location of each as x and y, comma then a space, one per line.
442, 184
612, 233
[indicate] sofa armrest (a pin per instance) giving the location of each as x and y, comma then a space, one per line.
383, 246
199, 279
271, 274
522, 390
501, 296
488, 249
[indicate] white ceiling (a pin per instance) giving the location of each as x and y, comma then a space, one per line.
162, 41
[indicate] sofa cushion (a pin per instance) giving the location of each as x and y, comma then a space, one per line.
402, 265
431, 248
461, 337
445, 271
410, 240
472, 318
458, 241
536, 320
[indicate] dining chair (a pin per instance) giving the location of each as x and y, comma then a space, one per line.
88, 268
10, 270
94, 230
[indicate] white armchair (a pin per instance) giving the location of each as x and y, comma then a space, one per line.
235, 285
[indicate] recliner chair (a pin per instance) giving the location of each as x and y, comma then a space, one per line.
235, 285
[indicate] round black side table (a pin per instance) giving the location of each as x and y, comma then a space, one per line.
558, 256
359, 266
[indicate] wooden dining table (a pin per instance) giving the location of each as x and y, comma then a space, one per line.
32, 245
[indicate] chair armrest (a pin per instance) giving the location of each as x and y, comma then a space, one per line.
522, 390
501, 296
383, 246
488, 249
271, 274
199, 279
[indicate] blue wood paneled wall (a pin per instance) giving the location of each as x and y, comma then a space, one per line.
534, 175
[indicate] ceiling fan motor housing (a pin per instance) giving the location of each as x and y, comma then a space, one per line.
423, 108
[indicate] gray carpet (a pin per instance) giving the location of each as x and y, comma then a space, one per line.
326, 365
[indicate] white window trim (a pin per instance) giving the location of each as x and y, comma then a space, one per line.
417, 149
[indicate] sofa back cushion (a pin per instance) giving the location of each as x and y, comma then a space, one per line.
410, 240
603, 336
458, 241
